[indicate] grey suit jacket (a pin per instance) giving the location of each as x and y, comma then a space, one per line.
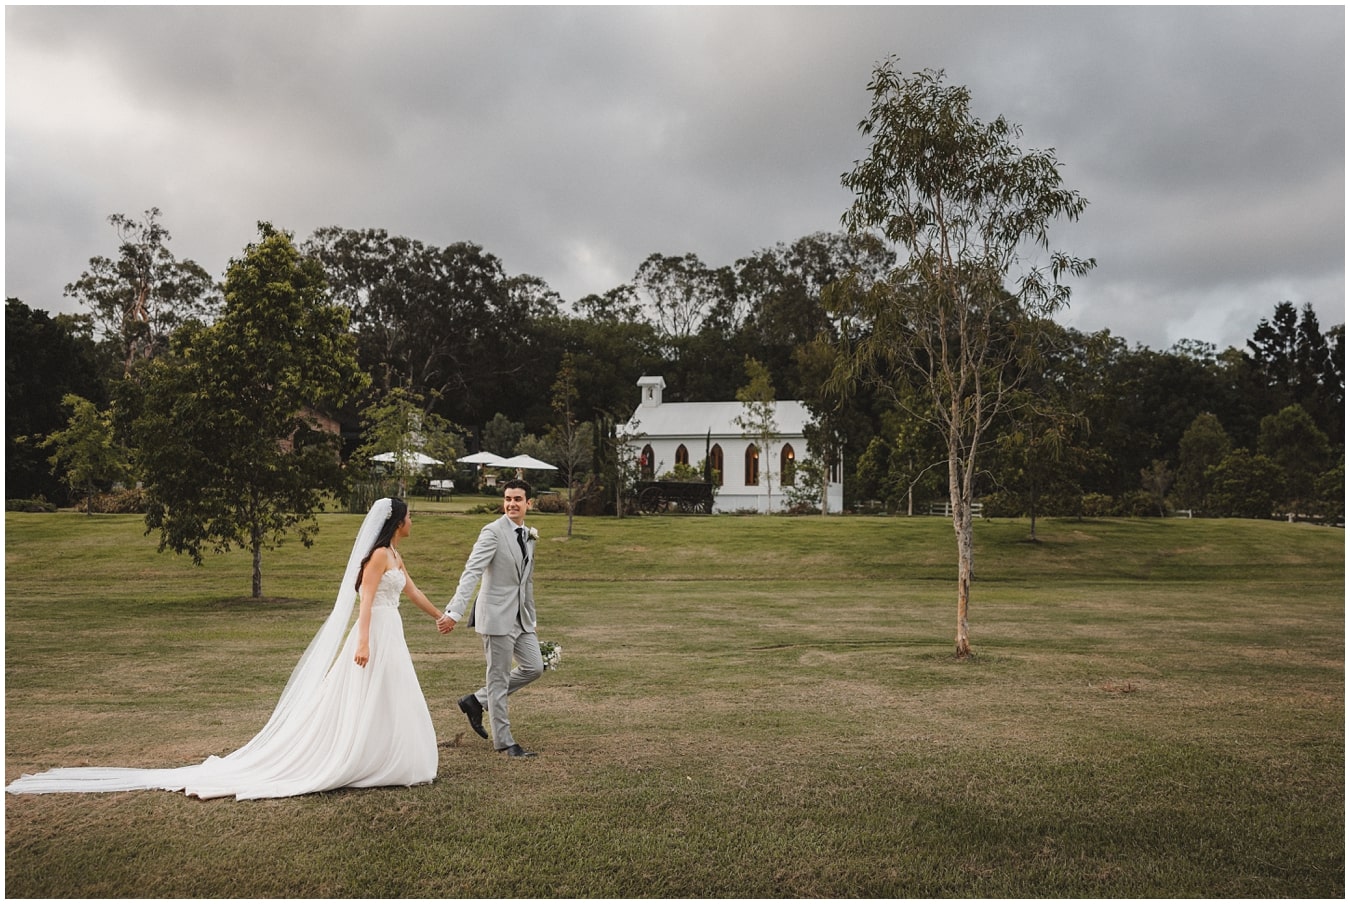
507, 590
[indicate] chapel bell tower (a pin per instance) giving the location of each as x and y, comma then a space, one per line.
651, 390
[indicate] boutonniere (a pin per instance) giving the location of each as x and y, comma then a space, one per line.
533, 532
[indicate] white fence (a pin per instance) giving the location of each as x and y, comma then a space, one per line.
945, 509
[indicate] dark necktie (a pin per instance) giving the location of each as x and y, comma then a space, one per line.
520, 538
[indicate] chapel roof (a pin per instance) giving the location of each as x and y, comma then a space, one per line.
698, 418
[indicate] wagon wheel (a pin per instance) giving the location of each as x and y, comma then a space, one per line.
688, 505
650, 499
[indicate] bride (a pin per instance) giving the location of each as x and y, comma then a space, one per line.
358, 722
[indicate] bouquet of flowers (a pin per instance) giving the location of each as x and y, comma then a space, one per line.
552, 654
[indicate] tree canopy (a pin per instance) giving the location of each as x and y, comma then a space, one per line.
960, 314
140, 297
231, 448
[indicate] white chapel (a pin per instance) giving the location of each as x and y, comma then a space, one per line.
664, 434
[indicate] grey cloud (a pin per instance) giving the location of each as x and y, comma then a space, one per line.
574, 141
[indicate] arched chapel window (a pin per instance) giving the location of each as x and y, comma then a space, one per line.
787, 466
715, 453
681, 455
752, 465
647, 463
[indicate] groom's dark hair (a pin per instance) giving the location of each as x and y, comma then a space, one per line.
516, 483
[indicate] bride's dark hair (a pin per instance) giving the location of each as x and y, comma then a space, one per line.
398, 510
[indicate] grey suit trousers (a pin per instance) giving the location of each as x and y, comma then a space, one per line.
503, 680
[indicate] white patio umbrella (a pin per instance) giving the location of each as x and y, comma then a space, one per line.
417, 458
483, 458
527, 463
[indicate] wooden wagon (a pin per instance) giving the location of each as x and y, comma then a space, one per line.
655, 496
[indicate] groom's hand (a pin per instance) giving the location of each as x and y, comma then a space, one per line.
445, 624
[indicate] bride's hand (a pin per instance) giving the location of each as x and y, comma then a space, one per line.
362, 654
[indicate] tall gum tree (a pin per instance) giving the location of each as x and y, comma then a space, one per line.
969, 212
142, 296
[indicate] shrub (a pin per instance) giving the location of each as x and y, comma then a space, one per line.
684, 474
38, 505
1098, 505
1138, 504
118, 502
1135, 504
487, 508
550, 504
1002, 505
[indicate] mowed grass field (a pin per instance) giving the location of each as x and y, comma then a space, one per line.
747, 707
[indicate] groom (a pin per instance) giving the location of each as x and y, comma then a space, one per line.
503, 558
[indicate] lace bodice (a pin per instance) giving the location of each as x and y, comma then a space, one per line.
391, 586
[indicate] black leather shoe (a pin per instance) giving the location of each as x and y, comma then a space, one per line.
515, 750
469, 705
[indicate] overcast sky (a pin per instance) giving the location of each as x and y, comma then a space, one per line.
573, 142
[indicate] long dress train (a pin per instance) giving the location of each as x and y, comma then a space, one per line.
359, 727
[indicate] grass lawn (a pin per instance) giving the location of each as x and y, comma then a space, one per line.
747, 707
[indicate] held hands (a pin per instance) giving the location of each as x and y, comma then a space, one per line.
445, 624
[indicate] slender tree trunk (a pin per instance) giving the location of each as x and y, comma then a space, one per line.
257, 566
961, 477
965, 554
965, 572
1034, 500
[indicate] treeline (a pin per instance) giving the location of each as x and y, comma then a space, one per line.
1106, 428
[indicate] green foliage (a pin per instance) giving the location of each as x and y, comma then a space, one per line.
86, 453
140, 298
46, 359
684, 473
904, 466
1042, 450
1296, 363
757, 419
1243, 485
501, 435
447, 323
573, 442
399, 422
958, 316
781, 291
451, 326
1156, 481
805, 492
960, 198
231, 452
1203, 445
31, 506
1331, 493
1292, 441
129, 501
542, 448
682, 292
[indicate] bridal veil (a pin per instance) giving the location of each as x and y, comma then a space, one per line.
258, 759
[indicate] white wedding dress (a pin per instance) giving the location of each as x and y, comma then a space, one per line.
334, 727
